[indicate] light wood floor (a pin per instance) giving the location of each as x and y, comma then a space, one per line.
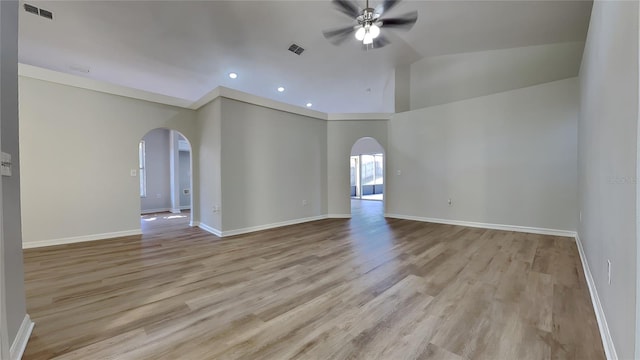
365, 288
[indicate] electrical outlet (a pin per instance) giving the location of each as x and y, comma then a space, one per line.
449, 202
6, 164
133, 172
609, 271
305, 203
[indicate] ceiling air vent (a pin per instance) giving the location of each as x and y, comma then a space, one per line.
296, 49
31, 9
42, 12
46, 14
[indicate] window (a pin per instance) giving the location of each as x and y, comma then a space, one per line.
141, 171
355, 176
368, 169
379, 164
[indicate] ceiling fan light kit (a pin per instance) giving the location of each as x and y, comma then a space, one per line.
369, 23
367, 30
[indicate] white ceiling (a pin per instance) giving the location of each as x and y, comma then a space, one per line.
185, 49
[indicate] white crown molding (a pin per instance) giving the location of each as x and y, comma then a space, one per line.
517, 228
359, 117
268, 103
207, 98
22, 338
77, 239
81, 82
605, 334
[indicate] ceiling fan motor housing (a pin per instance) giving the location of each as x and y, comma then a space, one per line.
368, 17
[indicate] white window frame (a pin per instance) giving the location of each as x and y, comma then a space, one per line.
142, 159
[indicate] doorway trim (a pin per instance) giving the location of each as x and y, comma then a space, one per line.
4, 337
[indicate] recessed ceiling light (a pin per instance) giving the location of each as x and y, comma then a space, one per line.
309, 104
233, 75
280, 89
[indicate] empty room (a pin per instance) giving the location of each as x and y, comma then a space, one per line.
319, 179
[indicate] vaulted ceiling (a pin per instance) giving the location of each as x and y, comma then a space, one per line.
186, 48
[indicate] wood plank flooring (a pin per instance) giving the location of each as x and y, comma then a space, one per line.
365, 288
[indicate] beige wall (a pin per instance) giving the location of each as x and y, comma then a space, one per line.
507, 158
271, 162
443, 79
608, 141
207, 170
78, 149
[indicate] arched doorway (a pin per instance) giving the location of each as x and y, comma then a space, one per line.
367, 176
165, 174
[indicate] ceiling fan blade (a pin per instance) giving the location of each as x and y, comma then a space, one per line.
386, 6
405, 21
378, 42
338, 36
347, 7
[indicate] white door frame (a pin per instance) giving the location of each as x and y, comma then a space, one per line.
357, 159
4, 336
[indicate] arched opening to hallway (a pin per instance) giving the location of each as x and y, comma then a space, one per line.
367, 177
165, 174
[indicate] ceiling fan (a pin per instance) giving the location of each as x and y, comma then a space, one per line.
369, 22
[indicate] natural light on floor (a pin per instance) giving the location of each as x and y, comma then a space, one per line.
169, 217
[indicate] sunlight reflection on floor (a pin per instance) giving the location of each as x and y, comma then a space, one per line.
154, 217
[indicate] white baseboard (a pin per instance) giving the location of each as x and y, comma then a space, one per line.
210, 229
339, 216
246, 230
153, 211
607, 341
272, 226
77, 239
525, 229
175, 211
22, 338
162, 210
